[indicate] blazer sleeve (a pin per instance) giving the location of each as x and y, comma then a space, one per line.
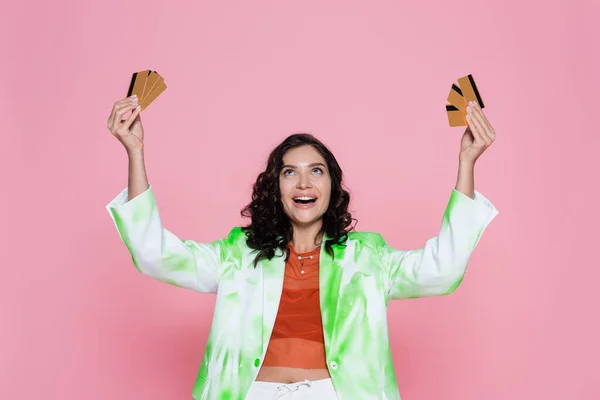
158, 253
439, 267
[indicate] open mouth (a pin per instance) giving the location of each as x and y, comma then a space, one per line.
304, 200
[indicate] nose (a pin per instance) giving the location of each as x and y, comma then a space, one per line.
304, 182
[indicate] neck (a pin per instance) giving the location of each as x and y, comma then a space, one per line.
307, 238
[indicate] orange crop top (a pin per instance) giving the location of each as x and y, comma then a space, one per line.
297, 338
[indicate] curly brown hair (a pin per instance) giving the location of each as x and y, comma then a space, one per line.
270, 228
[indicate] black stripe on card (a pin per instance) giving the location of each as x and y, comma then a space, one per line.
131, 84
457, 89
472, 81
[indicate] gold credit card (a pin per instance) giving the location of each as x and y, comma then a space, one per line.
156, 91
138, 82
147, 85
459, 97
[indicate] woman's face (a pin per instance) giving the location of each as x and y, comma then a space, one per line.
305, 186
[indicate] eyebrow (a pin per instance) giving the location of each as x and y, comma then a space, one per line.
317, 164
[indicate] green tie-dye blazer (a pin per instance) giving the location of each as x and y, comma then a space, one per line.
356, 285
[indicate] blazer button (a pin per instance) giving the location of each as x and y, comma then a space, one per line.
333, 365
257, 362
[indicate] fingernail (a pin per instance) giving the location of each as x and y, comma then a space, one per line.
468, 109
138, 107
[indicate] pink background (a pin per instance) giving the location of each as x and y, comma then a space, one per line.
368, 78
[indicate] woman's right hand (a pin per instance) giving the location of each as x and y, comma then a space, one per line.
130, 131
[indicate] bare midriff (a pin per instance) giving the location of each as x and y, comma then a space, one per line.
290, 375
296, 350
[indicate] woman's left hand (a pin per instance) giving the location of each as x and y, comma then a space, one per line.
478, 136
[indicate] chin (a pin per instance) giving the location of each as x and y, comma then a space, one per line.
307, 221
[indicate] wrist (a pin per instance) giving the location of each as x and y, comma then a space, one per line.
466, 163
135, 153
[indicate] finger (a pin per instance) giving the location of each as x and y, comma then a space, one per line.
477, 113
485, 123
479, 121
120, 112
475, 129
125, 125
118, 106
118, 117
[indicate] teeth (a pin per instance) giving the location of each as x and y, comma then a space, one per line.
304, 198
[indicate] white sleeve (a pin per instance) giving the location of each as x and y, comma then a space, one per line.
439, 267
160, 254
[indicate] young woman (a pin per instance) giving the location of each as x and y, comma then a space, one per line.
302, 299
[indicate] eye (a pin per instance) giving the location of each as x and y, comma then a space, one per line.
317, 170
288, 172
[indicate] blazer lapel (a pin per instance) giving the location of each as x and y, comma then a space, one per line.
272, 273
330, 277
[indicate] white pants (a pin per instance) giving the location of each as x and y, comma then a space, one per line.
314, 390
